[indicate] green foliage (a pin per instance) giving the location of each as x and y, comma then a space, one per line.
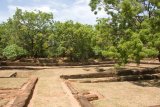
102, 38
72, 40
14, 51
131, 32
31, 31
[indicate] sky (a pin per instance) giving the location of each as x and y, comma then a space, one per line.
63, 10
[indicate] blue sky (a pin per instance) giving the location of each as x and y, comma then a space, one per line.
77, 10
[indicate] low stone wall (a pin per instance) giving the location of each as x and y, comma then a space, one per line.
10, 63
23, 99
114, 73
77, 99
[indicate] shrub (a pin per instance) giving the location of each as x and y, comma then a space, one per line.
14, 51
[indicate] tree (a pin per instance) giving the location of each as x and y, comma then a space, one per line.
72, 40
128, 21
3, 37
13, 52
155, 26
30, 30
131, 31
102, 39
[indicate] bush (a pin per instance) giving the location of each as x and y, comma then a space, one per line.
14, 51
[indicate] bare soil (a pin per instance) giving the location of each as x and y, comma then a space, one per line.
123, 94
12, 83
6, 95
49, 92
10, 88
4, 74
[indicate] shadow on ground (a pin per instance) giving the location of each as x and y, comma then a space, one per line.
151, 83
19, 68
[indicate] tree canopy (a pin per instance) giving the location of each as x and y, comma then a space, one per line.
130, 32
132, 28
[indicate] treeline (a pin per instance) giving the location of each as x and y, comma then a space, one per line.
131, 32
36, 34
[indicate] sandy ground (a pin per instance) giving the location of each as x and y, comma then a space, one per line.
49, 92
9, 88
123, 94
12, 83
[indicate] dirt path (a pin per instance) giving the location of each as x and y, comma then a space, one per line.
48, 91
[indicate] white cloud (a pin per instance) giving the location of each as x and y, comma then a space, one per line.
78, 11
43, 8
4, 16
78, 2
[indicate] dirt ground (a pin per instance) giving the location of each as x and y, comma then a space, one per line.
49, 92
10, 88
123, 94
12, 83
